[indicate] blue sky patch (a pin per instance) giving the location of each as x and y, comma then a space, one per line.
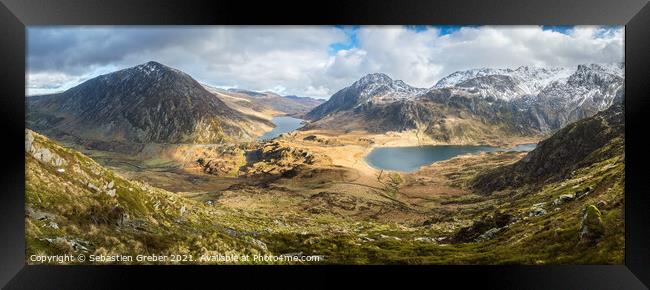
352, 39
564, 29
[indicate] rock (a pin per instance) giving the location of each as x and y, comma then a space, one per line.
53, 225
60, 170
567, 197
472, 233
536, 211
592, 228
111, 192
488, 235
564, 198
93, 187
311, 241
582, 193
29, 139
389, 237
232, 233
110, 184
46, 156
259, 244
310, 138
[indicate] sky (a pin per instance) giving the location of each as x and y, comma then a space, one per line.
314, 61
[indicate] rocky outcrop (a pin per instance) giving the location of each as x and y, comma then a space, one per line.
42, 153
485, 228
277, 159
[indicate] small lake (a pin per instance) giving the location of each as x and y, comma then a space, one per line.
409, 159
282, 125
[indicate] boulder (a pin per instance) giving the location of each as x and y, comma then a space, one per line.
592, 228
564, 198
537, 210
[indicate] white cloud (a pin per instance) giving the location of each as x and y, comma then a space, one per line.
422, 58
298, 60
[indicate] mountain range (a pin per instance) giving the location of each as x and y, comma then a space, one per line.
154, 103
466, 104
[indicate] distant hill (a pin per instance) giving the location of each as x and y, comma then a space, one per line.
148, 103
265, 103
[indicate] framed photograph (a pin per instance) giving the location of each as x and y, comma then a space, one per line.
413, 140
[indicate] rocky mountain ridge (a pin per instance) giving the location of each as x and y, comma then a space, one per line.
525, 101
148, 103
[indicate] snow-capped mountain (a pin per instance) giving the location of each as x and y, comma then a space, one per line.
590, 89
506, 84
379, 87
510, 84
523, 101
376, 88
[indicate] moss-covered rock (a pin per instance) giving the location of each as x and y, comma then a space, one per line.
592, 228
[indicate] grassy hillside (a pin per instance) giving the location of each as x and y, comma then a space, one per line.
74, 205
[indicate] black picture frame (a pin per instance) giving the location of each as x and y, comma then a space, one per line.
15, 15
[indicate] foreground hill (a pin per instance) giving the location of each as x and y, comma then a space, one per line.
475, 105
148, 103
75, 206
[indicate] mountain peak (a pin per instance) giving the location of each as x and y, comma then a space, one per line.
147, 103
154, 66
375, 78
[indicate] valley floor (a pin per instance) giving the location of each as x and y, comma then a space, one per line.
310, 193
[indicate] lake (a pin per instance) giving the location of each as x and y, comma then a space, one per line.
282, 125
409, 159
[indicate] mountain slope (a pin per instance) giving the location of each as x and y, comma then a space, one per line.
577, 145
148, 103
75, 206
